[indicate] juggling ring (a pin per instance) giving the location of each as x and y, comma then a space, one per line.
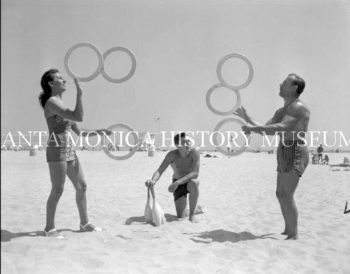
95, 73
223, 113
100, 67
215, 139
131, 152
131, 72
239, 56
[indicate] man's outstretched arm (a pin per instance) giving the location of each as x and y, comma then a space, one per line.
88, 132
270, 129
242, 113
158, 173
286, 124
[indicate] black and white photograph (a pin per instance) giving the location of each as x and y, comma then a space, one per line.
175, 136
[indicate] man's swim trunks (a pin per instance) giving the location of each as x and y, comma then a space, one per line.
180, 191
59, 146
292, 156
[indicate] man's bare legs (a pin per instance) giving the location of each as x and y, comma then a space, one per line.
181, 203
192, 187
279, 194
286, 186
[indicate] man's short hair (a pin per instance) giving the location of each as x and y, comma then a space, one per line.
297, 80
178, 136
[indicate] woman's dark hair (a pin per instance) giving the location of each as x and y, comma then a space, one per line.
45, 79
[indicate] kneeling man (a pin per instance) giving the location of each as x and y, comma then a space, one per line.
185, 162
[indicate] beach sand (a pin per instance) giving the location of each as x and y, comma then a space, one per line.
238, 233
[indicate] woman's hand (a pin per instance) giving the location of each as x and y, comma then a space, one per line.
104, 131
79, 90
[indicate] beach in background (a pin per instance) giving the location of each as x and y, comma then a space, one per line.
238, 233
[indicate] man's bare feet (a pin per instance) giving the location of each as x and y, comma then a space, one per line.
199, 210
292, 237
193, 219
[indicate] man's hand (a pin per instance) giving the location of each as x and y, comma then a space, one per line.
150, 182
173, 186
247, 129
242, 113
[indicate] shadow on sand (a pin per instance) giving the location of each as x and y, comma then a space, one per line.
141, 219
136, 219
7, 236
221, 236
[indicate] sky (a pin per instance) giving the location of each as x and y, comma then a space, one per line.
177, 45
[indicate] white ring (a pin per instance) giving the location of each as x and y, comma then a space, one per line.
239, 56
223, 113
95, 73
132, 151
215, 140
131, 72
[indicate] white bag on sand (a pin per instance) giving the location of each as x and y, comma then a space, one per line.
157, 211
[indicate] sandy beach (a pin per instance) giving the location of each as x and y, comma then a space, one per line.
238, 233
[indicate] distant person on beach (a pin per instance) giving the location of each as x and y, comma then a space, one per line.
185, 162
60, 153
346, 161
325, 161
319, 153
291, 123
345, 164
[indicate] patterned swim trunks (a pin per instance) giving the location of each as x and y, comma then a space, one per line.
292, 156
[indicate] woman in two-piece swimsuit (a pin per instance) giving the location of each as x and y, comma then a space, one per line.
60, 153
